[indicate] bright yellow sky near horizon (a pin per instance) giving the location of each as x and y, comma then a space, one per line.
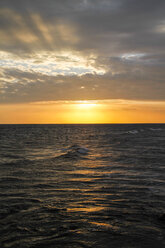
100, 111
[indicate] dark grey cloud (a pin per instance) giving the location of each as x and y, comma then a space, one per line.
127, 38
30, 87
114, 26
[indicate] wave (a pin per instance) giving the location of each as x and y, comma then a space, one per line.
74, 152
136, 131
11, 179
133, 132
156, 129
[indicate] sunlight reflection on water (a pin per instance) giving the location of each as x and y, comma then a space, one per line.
109, 197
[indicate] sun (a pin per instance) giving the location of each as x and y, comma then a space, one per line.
84, 112
85, 105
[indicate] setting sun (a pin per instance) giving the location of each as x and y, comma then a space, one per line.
85, 105
85, 112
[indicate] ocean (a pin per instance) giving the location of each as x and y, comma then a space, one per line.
81, 186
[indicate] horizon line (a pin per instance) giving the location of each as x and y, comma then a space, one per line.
132, 123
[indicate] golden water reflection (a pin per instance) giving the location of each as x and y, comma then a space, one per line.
103, 225
86, 209
95, 172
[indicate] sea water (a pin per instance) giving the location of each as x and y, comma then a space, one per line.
82, 186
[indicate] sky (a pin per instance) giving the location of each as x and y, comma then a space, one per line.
82, 61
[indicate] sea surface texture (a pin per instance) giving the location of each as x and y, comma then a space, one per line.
81, 186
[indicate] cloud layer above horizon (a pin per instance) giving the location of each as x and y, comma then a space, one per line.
82, 50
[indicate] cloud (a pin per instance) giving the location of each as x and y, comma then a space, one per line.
19, 86
82, 49
115, 26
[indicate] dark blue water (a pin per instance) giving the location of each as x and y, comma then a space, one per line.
82, 186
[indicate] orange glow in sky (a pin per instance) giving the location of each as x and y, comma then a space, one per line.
113, 111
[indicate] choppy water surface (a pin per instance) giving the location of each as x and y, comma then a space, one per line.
82, 186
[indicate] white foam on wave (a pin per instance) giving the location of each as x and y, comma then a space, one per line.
133, 131
75, 150
142, 130
155, 129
